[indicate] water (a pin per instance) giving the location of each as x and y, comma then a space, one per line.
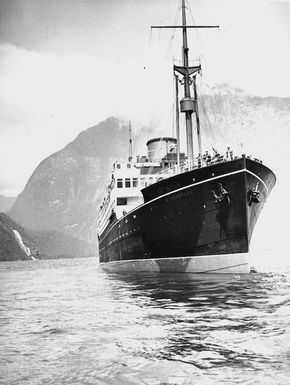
66, 322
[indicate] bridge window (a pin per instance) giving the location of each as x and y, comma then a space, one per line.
135, 182
118, 165
127, 182
128, 165
119, 183
121, 201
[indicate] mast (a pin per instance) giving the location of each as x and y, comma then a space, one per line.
130, 158
188, 105
177, 122
197, 117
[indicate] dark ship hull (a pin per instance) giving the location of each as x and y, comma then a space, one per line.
197, 221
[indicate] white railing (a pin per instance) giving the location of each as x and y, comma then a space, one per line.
188, 166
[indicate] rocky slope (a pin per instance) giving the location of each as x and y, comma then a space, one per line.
15, 242
255, 125
61, 197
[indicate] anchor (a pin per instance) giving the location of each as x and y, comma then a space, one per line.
221, 195
254, 195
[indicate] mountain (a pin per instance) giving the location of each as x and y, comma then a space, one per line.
251, 124
61, 197
15, 242
6, 202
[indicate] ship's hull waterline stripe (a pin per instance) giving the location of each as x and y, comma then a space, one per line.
122, 263
186, 187
117, 263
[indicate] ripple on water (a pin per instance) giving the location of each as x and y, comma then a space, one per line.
65, 322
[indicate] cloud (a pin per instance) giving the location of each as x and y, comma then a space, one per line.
47, 99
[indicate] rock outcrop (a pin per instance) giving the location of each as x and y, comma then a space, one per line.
15, 242
61, 197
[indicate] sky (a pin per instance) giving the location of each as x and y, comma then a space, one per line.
65, 65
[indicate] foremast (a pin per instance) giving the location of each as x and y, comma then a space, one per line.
188, 104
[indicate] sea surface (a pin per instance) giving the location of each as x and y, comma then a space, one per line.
67, 322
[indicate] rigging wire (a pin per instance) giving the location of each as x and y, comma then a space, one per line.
206, 97
214, 114
200, 15
166, 18
162, 21
172, 35
195, 31
221, 113
205, 116
170, 43
173, 105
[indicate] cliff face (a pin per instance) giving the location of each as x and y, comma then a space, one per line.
61, 197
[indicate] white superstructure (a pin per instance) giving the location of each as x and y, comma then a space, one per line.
124, 191
129, 178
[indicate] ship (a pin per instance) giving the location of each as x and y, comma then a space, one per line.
173, 212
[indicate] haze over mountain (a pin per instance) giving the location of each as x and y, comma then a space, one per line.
6, 202
61, 198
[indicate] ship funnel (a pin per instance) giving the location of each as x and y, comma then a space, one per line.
159, 147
